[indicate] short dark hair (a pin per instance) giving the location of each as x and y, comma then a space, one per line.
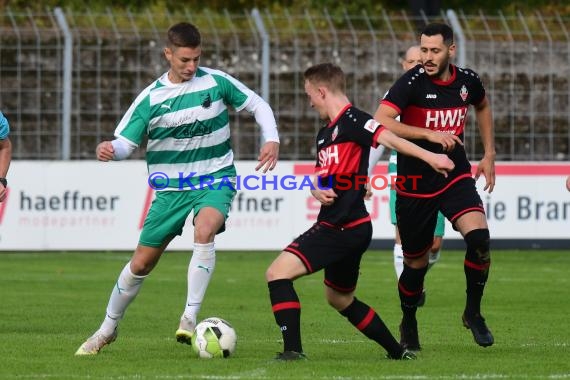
183, 34
326, 73
438, 28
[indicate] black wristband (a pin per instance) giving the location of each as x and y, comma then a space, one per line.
4, 182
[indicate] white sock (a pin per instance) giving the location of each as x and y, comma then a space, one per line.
433, 258
398, 259
126, 289
200, 271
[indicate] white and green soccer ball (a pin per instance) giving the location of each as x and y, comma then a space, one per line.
214, 338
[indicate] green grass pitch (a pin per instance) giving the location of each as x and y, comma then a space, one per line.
51, 302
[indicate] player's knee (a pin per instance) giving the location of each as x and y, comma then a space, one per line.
436, 245
417, 262
286, 266
271, 274
203, 233
276, 271
339, 301
205, 229
478, 242
140, 267
145, 259
337, 304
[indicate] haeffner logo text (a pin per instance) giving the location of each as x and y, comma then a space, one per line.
68, 201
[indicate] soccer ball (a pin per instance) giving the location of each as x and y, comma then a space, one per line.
214, 338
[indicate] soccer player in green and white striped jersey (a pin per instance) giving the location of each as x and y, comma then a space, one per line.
185, 117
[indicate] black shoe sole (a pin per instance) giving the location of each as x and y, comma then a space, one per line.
288, 356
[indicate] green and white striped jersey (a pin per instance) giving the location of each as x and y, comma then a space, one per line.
187, 125
393, 162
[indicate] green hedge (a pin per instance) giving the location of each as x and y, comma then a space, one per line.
354, 6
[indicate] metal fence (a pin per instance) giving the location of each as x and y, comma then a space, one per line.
523, 59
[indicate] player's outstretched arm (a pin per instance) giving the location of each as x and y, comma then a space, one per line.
486, 130
386, 116
439, 162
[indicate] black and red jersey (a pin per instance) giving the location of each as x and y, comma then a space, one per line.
343, 147
425, 102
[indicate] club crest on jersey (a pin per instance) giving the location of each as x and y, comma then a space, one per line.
335, 133
463, 93
371, 125
206, 100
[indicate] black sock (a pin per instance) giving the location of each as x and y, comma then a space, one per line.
287, 311
410, 286
365, 319
476, 267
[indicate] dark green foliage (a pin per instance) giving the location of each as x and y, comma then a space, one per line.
95, 5
351, 7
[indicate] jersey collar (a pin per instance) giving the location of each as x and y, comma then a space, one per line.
453, 71
333, 121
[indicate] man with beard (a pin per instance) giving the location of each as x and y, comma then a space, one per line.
432, 101
411, 59
336, 242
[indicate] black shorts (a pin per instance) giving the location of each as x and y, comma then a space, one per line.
417, 217
336, 250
